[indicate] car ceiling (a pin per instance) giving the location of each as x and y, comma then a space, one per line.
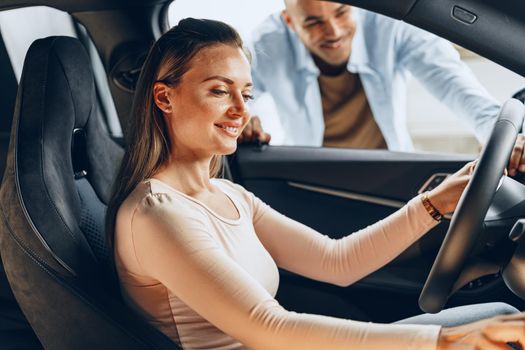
72, 6
501, 24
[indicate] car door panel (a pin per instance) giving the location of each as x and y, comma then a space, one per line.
383, 174
337, 192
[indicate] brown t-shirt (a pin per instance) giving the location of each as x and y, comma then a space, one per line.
348, 119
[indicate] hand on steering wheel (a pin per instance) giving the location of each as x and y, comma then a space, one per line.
445, 197
471, 209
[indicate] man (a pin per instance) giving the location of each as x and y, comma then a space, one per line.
338, 77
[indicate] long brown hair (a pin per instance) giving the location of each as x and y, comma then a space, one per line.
148, 146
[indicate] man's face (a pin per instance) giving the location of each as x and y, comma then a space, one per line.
325, 28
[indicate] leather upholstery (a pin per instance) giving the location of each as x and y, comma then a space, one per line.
58, 175
520, 95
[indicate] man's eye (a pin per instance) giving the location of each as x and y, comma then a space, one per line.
312, 24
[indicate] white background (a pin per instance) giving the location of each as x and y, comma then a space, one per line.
432, 126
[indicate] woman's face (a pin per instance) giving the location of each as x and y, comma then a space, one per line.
208, 108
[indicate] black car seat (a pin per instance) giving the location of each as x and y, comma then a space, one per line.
520, 95
15, 332
59, 170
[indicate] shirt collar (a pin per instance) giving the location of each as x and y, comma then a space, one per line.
359, 60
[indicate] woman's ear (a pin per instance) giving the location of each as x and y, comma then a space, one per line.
161, 97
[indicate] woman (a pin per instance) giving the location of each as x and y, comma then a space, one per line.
197, 256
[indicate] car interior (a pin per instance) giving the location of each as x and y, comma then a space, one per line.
59, 154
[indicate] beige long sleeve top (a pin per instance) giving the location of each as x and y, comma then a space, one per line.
209, 282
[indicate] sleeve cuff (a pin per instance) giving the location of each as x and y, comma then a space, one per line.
419, 215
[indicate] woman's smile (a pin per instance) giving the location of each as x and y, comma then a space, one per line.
230, 129
212, 96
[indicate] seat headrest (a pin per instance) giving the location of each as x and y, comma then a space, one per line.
56, 103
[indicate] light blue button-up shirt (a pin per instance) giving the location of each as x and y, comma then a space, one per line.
385, 52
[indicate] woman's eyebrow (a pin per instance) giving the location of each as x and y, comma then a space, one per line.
224, 79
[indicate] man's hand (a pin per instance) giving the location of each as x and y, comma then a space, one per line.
254, 132
517, 157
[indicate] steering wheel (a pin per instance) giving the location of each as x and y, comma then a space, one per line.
465, 226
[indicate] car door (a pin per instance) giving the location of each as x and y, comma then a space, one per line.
337, 192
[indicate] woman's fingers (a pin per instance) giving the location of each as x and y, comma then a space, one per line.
507, 332
489, 344
472, 166
466, 169
494, 333
517, 157
520, 316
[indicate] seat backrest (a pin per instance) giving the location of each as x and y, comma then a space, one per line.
15, 332
59, 171
520, 95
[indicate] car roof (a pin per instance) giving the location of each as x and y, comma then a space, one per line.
72, 6
496, 32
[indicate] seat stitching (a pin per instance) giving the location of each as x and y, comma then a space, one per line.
17, 179
30, 253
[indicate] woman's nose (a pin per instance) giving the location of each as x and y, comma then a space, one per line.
238, 106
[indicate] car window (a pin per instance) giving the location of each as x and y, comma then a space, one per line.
20, 27
242, 15
432, 126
